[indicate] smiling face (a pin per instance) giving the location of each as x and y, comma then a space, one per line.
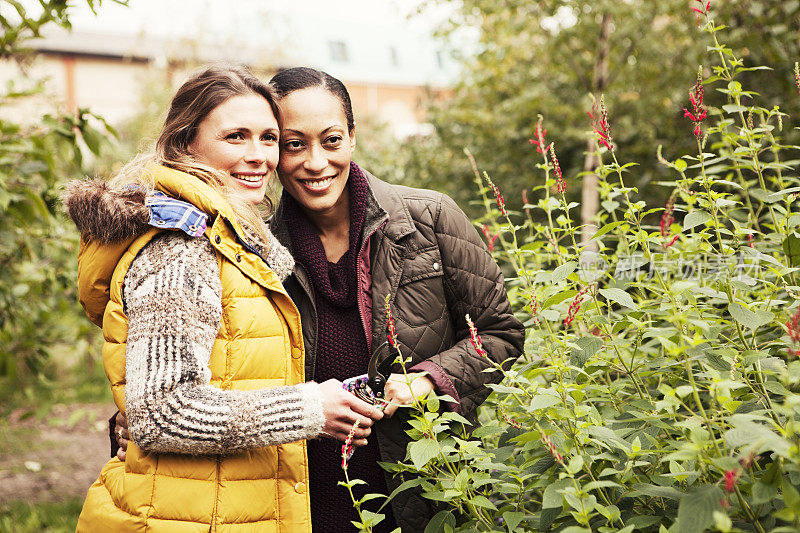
240, 137
316, 149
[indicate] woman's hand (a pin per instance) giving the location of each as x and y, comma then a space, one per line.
121, 432
398, 393
342, 409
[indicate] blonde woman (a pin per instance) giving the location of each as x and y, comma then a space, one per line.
203, 347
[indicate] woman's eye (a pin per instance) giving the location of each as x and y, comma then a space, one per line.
292, 145
335, 139
269, 137
235, 136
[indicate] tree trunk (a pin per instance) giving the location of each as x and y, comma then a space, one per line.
590, 198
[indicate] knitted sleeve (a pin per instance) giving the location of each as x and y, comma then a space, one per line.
172, 298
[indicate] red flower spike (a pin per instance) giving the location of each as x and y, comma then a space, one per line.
797, 76
347, 447
730, 477
392, 333
793, 328
698, 113
561, 185
667, 219
704, 9
539, 141
552, 449
475, 338
510, 420
600, 124
574, 307
501, 203
489, 237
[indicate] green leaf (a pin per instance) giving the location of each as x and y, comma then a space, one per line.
733, 108
695, 218
552, 497
766, 488
587, 347
422, 451
656, 491
621, 297
513, 518
561, 272
696, 510
749, 319
482, 501
791, 247
605, 229
437, 523
543, 401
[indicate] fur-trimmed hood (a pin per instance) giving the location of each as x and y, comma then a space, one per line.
106, 215
115, 216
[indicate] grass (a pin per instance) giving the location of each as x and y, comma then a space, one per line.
51, 517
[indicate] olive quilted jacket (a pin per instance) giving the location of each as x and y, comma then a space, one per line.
425, 253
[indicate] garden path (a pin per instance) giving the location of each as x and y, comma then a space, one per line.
55, 458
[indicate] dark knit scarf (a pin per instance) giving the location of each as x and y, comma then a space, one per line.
342, 352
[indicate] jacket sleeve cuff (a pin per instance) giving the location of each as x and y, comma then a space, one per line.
441, 381
313, 412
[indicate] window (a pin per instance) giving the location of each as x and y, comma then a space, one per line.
338, 51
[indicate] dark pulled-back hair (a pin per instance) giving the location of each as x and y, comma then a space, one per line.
296, 78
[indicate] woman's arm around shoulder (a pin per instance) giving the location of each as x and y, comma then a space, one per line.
172, 297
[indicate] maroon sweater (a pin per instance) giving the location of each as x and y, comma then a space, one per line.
342, 352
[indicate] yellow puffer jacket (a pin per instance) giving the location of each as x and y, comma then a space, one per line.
256, 490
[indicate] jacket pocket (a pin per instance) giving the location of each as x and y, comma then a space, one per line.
420, 295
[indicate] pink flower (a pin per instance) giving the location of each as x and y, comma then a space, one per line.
574, 307
525, 201
539, 140
392, 333
702, 10
797, 76
561, 185
501, 203
666, 221
347, 447
552, 449
510, 420
731, 477
475, 338
600, 124
793, 328
489, 237
698, 113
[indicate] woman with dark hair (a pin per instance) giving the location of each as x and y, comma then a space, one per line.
357, 240
203, 347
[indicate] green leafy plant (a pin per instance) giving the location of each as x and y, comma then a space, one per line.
659, 386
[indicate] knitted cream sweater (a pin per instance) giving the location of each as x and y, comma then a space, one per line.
172, 296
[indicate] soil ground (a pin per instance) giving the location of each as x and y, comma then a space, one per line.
55, 458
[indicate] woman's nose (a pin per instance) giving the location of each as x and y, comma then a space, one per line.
256, 153
316, 161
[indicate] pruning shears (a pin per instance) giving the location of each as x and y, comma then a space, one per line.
371, 387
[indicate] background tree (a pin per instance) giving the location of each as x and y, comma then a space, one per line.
547, 57
39, 314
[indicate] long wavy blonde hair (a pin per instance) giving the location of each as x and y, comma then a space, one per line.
192, 103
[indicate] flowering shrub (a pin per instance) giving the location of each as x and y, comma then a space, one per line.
659, 388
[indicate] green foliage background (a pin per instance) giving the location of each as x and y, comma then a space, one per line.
521, 70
